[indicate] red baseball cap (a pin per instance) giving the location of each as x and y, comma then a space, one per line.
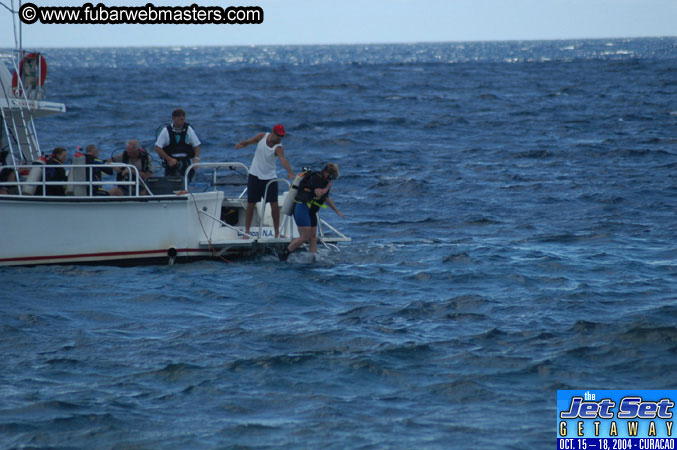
279, 129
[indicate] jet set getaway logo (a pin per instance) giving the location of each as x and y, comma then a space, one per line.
615, 420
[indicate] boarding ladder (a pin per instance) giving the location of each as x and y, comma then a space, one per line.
17, 118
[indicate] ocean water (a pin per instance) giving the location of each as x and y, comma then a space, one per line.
512, 208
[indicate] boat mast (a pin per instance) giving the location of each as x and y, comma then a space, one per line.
20, 43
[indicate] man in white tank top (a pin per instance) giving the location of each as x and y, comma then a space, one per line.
262, 170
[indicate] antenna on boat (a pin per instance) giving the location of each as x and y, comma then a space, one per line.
14, 12
21, 44
18, 41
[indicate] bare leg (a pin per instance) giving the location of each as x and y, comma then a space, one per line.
305, 233
275, 212
312, 246
248, 218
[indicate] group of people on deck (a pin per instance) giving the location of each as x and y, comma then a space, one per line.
179, 147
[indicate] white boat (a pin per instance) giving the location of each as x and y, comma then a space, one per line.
163, 226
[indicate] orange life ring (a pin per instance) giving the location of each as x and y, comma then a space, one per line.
28, 69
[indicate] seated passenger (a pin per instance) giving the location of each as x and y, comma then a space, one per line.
136, 156
92, 157
9, 176
57, 158
6, 174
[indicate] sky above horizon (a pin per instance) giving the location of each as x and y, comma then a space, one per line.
367, 21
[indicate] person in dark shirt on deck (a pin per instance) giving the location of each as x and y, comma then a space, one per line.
136, 156
6, 174
92, 157
56, 173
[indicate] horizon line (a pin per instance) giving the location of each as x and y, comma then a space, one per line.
336, 44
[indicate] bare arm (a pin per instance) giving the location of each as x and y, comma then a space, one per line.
117, 169
331, 204
171, 161
280, 153
110, 161
255, 139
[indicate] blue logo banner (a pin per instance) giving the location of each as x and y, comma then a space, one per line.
616, 419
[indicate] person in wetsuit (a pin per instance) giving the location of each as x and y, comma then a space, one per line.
6, 173
178, 145
56, 172
92, 157
137, 157
313, 193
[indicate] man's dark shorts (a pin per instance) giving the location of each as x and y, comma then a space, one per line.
256, 188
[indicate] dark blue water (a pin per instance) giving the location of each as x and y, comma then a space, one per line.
512, 209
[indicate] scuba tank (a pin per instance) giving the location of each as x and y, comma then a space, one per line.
77, 174
35, 175
288, 205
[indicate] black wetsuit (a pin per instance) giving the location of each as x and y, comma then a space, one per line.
57, 173
145, 167
307, 186
307, 206
96, 172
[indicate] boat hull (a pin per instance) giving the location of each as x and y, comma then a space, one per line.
114, 230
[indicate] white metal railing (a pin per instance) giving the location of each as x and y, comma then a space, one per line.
215, 166
232, 166
216, 219
263, 200
28, 185
321, 236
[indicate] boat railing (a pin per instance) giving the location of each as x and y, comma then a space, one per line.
234, 166
265, 195
28, 177
214, 166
